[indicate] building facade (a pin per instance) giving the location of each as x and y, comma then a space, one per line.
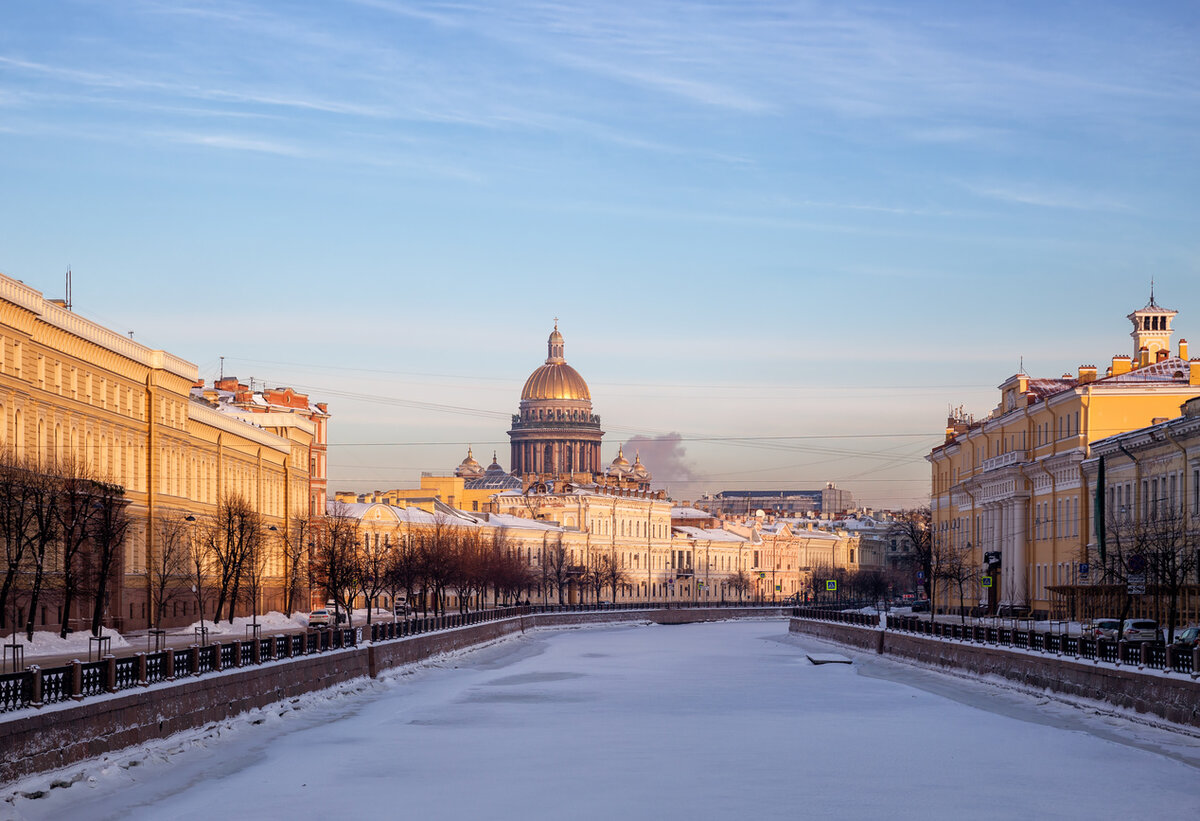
80, 397
1150, 518
828, 501
1008, 496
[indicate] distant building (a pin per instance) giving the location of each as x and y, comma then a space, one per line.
278, 409
828, 501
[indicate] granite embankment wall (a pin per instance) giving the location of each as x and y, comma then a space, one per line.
41, 740
1173, 697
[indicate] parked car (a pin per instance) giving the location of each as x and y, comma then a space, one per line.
320, 618
1188, 638
1103, 629
1139, 631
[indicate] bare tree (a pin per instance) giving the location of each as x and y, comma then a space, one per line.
373, 565
555, 561
16, 522
916, 527
169, 567
42, 496
335, 564
199, 560
293, 543
471, 566
740, 583
507, 572
821, 574
403, 568
76, 508
437, 546
611, 574
254, 569
236, 526
1157, 549
108, 530
954, 566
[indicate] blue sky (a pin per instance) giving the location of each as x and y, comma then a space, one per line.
814, 220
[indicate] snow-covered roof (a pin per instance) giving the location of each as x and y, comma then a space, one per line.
407, 515
517, 522
709, 534
690, 513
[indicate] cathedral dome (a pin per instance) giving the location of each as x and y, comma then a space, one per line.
469, 468
556, 379
639, 470
620, 465
555, 382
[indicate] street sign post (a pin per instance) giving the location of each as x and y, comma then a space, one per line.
1135, 584
831, 585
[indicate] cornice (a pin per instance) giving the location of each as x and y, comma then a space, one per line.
205, 415
32, 300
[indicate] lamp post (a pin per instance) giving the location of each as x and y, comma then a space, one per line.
197, 585
260, 573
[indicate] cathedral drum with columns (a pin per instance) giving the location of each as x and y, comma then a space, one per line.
556, 439
555, 434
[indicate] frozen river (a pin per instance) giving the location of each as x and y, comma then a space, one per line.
726, 720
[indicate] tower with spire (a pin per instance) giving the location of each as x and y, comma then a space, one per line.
1151, 330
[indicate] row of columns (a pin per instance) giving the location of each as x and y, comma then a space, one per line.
1003, 530
555, 456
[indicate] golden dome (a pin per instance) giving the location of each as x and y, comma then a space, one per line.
558, 381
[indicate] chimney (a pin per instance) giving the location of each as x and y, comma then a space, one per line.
1194, 376
1120, 365
1183, 350
1087, 373
1161, 355
1143, 357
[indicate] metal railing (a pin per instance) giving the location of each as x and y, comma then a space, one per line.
1146, 655
35, 686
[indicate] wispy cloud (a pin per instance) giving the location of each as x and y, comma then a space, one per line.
1043, 196
236, 143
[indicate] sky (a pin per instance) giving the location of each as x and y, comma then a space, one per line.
781, 238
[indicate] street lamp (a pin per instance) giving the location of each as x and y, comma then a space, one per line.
198, 580
259, 571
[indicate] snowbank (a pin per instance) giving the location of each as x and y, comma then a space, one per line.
49, 644
267, 623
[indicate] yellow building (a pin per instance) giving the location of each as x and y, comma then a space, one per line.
434, 490
1151, 515
74, 392
1008, 498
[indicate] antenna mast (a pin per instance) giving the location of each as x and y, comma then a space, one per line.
67, 301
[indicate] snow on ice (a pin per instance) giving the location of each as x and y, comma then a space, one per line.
725, 720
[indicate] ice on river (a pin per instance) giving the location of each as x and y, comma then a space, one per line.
724, 720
